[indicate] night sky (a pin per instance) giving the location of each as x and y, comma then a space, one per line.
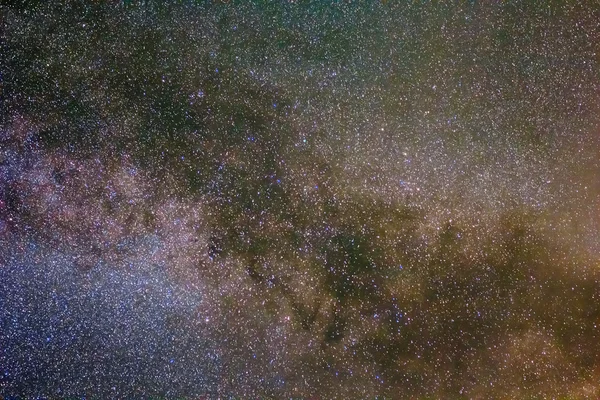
325, 199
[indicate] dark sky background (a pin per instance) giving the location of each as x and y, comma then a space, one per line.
300, 199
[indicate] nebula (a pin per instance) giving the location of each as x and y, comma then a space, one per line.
283, 200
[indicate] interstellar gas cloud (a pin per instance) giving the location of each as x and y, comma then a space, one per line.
300, 200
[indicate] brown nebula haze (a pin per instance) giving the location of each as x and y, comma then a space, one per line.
282, 200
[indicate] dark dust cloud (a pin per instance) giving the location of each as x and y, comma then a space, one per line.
310, 200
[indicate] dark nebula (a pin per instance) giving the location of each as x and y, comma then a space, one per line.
326, 199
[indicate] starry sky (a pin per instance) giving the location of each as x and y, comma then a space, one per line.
253, 199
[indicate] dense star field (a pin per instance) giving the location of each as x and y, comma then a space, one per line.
312, 200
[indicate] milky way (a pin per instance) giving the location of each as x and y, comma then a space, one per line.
251, 199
